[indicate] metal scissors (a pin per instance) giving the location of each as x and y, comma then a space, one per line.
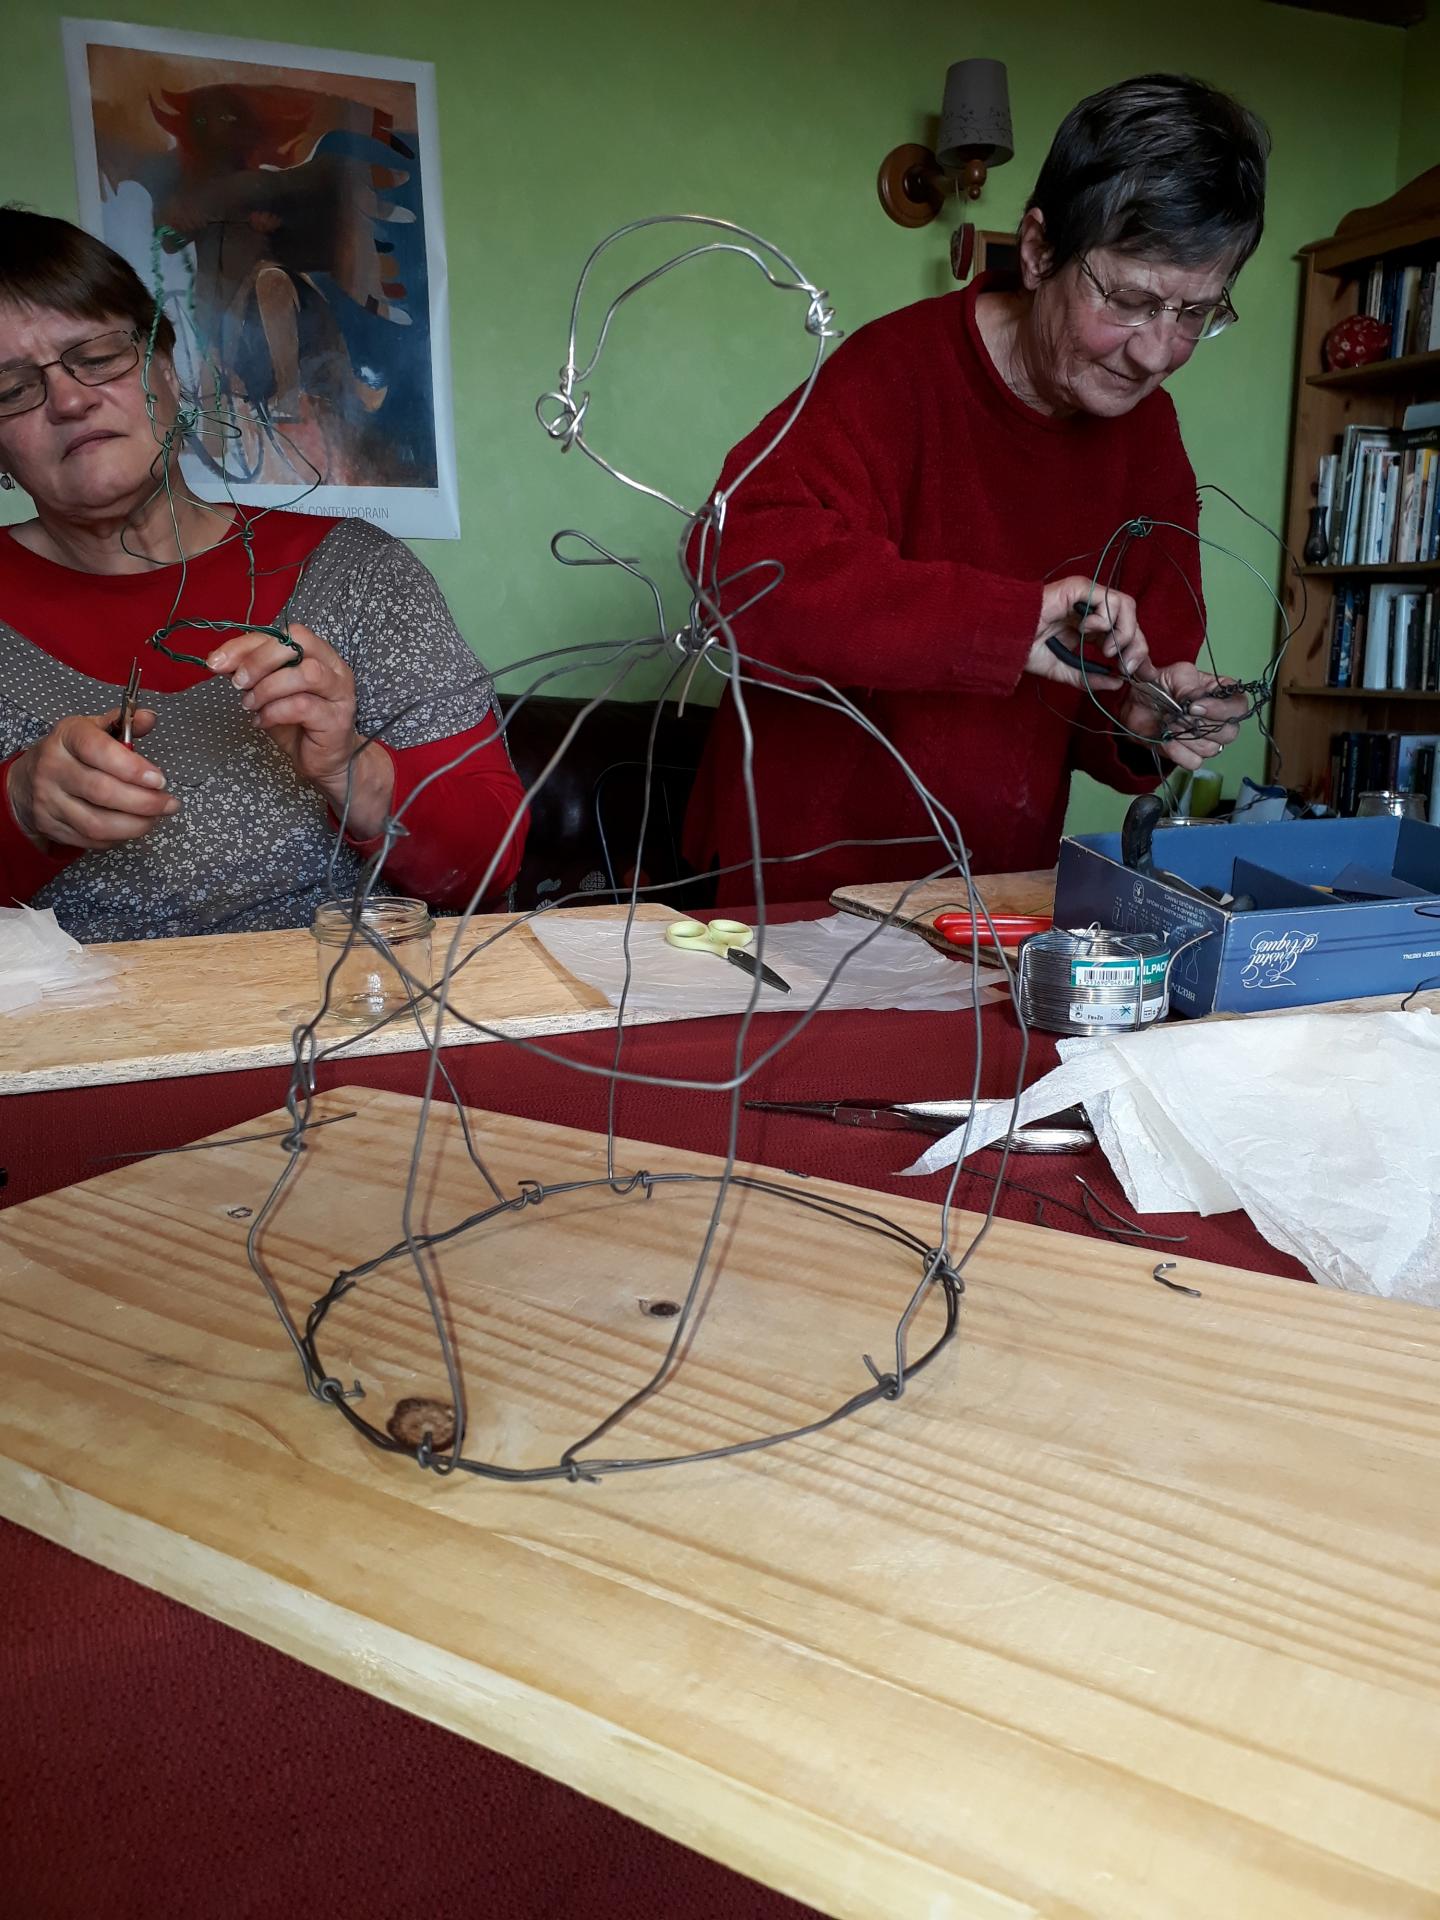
727, 939
1067, 1132
124, 728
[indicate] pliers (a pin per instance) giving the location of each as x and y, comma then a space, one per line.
123, 729
1150, 691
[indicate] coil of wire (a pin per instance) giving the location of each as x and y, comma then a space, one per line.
1089, 981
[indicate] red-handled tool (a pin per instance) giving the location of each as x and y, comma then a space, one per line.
960, 929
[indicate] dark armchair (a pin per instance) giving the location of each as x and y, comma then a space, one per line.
584, 821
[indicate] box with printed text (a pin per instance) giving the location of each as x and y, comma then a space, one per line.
1318, 909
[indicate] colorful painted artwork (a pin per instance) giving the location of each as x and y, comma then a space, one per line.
284, 203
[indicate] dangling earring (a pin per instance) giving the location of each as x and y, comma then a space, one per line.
6, 482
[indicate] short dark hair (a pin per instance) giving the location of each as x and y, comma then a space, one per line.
46, 262
1163, 166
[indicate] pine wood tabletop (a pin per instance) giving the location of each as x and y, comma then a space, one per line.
1126, 1609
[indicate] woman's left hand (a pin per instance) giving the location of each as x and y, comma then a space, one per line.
308, 709
1219, 712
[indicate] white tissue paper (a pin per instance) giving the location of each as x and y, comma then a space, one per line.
890, 969
41, 963
1325, 1128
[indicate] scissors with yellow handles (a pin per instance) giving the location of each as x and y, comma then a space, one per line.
727, 940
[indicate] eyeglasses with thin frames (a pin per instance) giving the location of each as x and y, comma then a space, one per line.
1136, 307
94, 363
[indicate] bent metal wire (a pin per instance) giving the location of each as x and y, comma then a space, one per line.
705, 642
707, 637
1257, 694
194, 418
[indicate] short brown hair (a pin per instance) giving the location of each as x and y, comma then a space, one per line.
46, 262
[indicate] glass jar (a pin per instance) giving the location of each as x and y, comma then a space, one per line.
371, 964
1404, 806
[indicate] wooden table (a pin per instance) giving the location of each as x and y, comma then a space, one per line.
230, 1001
1126, 1610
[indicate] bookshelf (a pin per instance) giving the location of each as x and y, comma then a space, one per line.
1395, 570
1400, 231
1382, 377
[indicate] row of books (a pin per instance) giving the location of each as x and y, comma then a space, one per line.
1385, 638
1382, 491
1402, 298
1384, 763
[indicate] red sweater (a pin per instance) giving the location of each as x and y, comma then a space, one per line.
917, 506
98, 623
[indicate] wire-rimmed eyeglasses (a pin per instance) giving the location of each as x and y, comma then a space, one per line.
1137, 307
91, 362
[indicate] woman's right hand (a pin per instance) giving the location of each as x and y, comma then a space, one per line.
78, 787
1062, 617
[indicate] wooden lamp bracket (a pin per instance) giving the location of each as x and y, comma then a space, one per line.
912, 184
973, 177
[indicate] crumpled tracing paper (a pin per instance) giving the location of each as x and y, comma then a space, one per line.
1325, 1128
884, 968
41, 965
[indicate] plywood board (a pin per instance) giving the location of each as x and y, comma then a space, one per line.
228, 1001
1126, 1609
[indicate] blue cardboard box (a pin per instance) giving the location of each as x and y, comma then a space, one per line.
1343, 908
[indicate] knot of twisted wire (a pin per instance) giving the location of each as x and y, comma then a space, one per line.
568, 420
820, 318
939, 1268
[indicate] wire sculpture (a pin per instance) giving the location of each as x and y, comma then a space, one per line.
433, 1433
1179, 722
705, 641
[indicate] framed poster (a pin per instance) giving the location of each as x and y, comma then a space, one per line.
284, 204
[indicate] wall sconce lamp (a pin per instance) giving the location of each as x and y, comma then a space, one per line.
974, 135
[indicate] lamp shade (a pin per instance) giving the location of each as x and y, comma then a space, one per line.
975, 119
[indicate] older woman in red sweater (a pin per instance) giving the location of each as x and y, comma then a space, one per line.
256, 787
945, 501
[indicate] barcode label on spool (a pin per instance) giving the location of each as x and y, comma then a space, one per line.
1117, 1013
1118, 973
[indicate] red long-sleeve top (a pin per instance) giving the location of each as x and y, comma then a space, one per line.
917, 506
97, 624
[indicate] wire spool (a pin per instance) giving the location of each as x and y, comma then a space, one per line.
1090, 981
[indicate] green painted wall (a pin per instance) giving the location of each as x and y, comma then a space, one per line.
1420, 113
562, 119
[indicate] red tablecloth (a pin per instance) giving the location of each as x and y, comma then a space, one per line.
154, 1762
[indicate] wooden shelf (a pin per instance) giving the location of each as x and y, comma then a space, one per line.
1367, 694
1404, 223
1405, 230
1409, 370
1397, 570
